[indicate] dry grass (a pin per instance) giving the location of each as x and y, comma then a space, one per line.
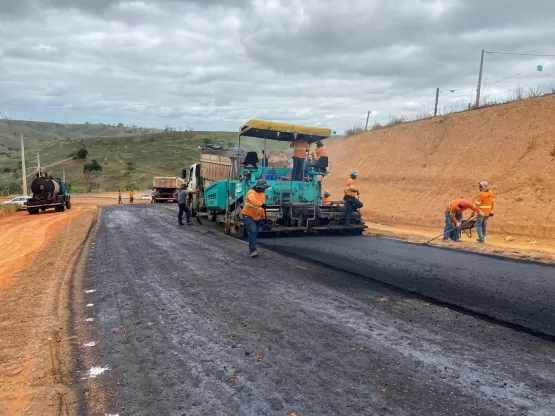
354, 130
7, 209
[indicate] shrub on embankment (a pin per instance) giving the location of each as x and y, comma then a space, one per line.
408, 173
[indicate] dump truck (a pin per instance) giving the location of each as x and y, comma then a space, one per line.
47, 193
216, 163
165, 188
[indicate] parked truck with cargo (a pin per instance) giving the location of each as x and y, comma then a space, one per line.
165, 188
216, 163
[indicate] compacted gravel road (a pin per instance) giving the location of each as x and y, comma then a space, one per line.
175, 320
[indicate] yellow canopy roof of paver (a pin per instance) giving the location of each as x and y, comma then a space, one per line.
272, 130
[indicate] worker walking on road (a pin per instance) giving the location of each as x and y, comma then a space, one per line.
299, 157
254, 212
352, 203
131, 196
453, 217
119, 197
485, 202
182, 205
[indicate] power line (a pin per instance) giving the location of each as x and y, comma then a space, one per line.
519, 54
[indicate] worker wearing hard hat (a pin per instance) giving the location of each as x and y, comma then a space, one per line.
326, 198
299, 156
453, 217
485, 202
352, 202
254, 212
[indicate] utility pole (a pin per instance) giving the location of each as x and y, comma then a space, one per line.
23, 171
367, 117
437, 100
478, 90
38, 163
64, 175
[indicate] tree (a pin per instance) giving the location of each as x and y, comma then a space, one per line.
94, 166
92, 172
81, 154
208, 141
130, 166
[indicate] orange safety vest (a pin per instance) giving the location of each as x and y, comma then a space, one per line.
253, 205
119, 194
131, 194
485, 202
453, 208
351, 189
301, 148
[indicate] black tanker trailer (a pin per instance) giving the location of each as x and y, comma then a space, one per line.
48, 192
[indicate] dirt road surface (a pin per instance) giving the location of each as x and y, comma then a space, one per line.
180, 321
23, 235
35, 273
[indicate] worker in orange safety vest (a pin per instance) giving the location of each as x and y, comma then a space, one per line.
352, 203
319, 157
119, 197
131, 196
254, 212
453, 217
326, 198
301, 148
486, 203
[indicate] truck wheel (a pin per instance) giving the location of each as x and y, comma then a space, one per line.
33, 211
62, 206
68, 204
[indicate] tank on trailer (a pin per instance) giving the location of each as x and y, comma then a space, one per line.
47, 193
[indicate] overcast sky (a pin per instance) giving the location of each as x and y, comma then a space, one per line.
214, 64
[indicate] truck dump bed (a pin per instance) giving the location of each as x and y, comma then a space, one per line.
215, 168
166, 182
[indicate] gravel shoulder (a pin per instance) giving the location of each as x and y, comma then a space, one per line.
184, 323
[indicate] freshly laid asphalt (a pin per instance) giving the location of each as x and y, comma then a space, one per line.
511, 291
184, 322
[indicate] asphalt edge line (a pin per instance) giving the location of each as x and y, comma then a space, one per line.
429, 299
463, 250
75, 361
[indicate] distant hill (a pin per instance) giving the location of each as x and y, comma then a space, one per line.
133, 158
39, 134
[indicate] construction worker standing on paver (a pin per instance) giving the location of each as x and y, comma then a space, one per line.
119, 197
254, 212
352, 203
182, 205
299, 156
326, 198
131, 196
319, 156
485, 202
453, 217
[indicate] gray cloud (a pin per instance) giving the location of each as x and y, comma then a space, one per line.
215, 64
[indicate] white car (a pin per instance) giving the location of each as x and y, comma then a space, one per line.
146, 196
19, 201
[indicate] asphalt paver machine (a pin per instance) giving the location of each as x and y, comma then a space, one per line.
292, 205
